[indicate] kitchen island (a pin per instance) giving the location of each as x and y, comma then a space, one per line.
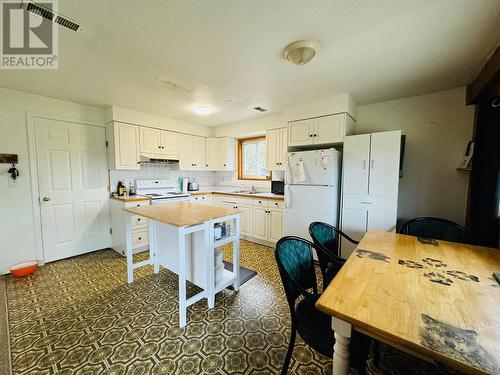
182, 239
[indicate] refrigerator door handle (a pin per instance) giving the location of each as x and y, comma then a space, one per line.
287, 197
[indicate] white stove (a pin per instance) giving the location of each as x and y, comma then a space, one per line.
160, 191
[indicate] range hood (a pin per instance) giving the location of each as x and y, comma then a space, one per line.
158, 159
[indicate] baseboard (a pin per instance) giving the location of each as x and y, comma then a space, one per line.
255, 240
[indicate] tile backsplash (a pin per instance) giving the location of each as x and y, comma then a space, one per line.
206, 179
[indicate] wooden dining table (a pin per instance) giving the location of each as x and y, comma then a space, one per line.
432, 299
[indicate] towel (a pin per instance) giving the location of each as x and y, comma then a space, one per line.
297, 168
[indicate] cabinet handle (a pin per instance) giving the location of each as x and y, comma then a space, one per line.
364, 164
159, 146
224, 165
367, 202
139, 219
310, 135
372, 164
140, 238
138, 205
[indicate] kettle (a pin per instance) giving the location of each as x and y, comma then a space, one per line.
193, 186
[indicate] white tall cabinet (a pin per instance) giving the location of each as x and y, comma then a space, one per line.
370, 185
276, 149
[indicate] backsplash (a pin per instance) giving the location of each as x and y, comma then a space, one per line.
206, 179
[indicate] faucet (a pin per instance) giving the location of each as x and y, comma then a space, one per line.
253, 189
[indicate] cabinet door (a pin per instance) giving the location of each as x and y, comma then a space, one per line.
381, 220
227, 154
150, 140
272, 149
199, 153
384, 163
170, 143
300, 133
126, 144
283, 147
275, 225
186, 153
260, 224
329, 129
354, 224
212, 148
356, 158
245, 220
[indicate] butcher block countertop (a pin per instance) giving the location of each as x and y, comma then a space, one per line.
256, 195
130, 198
181, 214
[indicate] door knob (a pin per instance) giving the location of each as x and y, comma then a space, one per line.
46, 199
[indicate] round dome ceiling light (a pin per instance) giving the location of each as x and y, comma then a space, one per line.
300, 52
202, 110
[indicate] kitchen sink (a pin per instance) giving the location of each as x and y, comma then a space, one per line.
244, 192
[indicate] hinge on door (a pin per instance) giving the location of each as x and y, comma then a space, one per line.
110, 230
107, 144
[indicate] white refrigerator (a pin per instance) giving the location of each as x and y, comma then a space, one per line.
312, 190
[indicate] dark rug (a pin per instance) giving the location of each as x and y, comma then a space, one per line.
5, 367
245, 273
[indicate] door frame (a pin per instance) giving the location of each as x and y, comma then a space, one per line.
33, 166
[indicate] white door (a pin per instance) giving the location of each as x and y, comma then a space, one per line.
260, 223
212, 148
186, 153
384, 163
354, 224
245, 220
300, 133
356, 158
328, 129
275, 225
72, 178
199, 153
169, 142
149, 140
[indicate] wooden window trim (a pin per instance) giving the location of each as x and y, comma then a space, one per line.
240, 159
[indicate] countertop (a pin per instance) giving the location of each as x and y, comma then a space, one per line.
181, 214
266, 195
130, 198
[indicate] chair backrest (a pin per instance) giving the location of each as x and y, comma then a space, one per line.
325, 236
435, 228
296, 267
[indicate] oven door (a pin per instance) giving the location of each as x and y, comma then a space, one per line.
168, 200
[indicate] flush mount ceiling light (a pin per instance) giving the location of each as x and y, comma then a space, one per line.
300, 52
202, 110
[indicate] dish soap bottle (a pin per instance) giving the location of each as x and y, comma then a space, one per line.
120, 189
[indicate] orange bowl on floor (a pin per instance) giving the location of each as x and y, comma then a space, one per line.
23, 269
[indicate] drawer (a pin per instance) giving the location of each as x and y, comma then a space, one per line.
140, 237
137, 204
138, 220
236, 199
276, 203
370, 202
261, 202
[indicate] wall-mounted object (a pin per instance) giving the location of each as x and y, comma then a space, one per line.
8, 158
465, 165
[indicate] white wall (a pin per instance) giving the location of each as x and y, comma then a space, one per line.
17, 230
437, 127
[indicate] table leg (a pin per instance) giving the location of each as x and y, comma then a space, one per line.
210, 264
236, 253
128, 250
182, 277
341, 352
153, 246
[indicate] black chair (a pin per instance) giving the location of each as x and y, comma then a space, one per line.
296, 268
435, 228
326, 237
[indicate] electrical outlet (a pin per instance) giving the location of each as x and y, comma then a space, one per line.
13, 183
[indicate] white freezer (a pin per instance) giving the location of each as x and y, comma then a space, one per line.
320, 167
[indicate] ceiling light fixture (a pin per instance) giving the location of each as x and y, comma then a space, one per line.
202, 110
301, 51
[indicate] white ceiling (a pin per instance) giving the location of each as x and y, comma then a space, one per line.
229, 53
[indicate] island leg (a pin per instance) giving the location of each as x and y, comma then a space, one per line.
153, 246
341, 351
209, 263
182, 277
236, 253
128, 250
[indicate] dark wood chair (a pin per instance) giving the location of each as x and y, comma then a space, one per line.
435, 228
296, 268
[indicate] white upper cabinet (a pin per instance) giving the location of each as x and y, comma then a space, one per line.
212, 151
227, 154
123, 146
158, 143
192, 153
321, 130
384, 163
199, 153
300, 133
356, 158
276, 149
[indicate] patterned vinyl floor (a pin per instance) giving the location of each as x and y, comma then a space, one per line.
79, 316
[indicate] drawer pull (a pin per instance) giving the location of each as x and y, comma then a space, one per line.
367, 202
140, 238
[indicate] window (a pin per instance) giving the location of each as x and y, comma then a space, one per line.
252, 159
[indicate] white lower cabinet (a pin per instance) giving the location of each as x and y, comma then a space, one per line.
139, 227
206, 198
275, 225
261, 223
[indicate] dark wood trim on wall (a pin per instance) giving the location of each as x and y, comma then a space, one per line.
487, 82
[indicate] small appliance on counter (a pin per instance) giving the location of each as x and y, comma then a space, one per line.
193, 186
278, 187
